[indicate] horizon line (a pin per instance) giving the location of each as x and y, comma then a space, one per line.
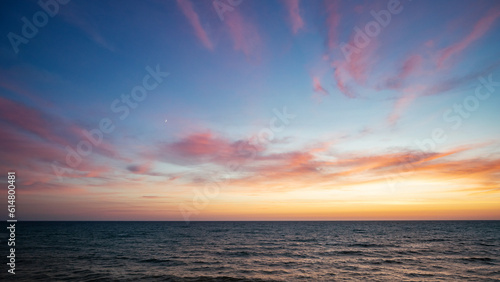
191, 221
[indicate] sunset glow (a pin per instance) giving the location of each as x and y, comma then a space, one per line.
277, 110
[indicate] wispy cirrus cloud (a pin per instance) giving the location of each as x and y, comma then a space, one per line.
401, 104
479, 30
293, 8
188, 10
332, 23
13, 80
33, 140
449, 83
79, 17
318, 88
306, 169
28, 119
244, 34
33, 157
355, 71
47, 127
342, 83
410, 65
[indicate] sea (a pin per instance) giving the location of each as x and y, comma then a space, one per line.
256, 251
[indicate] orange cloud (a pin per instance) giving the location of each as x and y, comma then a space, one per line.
315, 167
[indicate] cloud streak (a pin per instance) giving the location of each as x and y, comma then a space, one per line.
188, 10
332, 23
294, 15
244, 34
478, 31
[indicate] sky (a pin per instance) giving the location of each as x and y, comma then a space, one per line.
251, 110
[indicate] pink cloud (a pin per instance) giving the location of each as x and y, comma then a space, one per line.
206, 146
342, 81
453, 82
480, 28
34, 141
7, 79
47, 127
187, 8
332, 23
104, 147
318, 88
38, 188
33, 158
294, 14
200, 144
20, 149
360, 64
409, 66
401, 104
28, 119
355, 70
244, 35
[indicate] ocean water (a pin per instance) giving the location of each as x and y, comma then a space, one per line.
257, 251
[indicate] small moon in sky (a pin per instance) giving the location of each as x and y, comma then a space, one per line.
165, 120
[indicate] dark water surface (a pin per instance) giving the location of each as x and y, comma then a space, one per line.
257, 251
